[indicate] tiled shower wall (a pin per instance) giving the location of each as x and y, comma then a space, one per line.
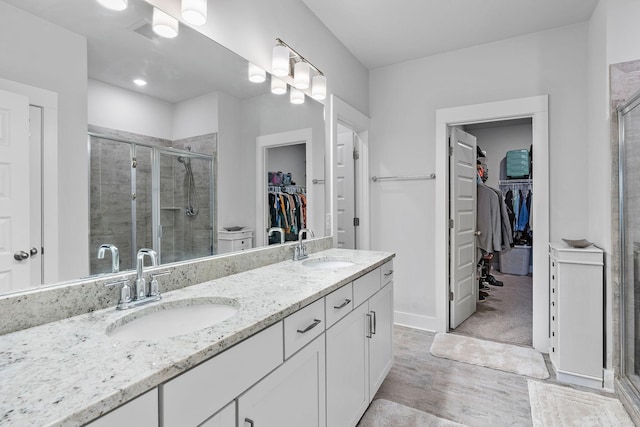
110, 199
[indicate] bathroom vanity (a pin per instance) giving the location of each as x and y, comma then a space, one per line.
309, 344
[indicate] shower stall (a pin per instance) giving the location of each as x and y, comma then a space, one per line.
629, 199
149, 196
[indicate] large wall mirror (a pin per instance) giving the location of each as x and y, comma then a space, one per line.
171, 165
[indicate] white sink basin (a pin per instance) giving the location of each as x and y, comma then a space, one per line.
327, 263
173, 318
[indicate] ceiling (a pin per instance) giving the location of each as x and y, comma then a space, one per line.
384, 32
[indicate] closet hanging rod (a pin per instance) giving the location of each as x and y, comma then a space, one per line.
402, 178
515, 181
318, 181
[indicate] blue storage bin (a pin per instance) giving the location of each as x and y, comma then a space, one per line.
518, 164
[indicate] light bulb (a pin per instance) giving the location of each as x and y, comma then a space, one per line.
194, 11
319, 87
114, 4
278, 87
301, 73
280, 61
256, 74
296, 96
164, 24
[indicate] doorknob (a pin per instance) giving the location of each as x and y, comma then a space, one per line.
20, 256
477, 233
33, 251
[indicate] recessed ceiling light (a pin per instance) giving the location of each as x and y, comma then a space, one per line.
140, 82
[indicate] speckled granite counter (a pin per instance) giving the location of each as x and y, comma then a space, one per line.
69, 372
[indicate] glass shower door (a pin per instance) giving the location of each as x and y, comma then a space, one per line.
186, 221
629, 126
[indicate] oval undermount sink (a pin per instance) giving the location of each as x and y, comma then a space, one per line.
172, 318
327, 263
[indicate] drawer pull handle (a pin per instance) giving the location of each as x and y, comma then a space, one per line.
249, 421
373, 330
389, 273
315, 323
369, 334
344, 304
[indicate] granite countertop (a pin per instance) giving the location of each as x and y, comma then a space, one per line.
69, 372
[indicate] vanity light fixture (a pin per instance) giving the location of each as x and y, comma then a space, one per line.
286, 60
301, 76
256, 74
296, 96
319, 87
114, 4
194, 11
164, 24
140, 82
280, 61
278, 87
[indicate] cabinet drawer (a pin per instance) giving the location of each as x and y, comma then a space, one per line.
202, 391
386, 273
242, 244
364, 287
338, 304
303, 326
141, 411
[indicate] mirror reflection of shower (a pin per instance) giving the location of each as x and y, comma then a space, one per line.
191, 210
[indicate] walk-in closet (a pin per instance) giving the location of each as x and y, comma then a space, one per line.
504, 271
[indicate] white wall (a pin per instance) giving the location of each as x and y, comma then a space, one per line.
404, 98
37, 53
289, 159
116, 108
196, 116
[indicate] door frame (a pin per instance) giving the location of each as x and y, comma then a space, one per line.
48, 101
536, 108
341, 112
282, 139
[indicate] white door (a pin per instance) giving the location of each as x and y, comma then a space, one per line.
463, 286
35, 206
345, 188
14, 192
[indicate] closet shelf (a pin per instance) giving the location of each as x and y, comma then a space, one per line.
174, 208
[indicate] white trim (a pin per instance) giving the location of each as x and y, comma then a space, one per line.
50, 235
300, 136
415, 321
537, 108
341, 112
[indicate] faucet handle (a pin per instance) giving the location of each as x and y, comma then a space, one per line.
154, 288
125, 292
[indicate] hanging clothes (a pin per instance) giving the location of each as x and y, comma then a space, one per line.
288, 209
488, 220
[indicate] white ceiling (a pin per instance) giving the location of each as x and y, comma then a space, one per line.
384, 32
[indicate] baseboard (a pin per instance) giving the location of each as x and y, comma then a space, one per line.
629, 398
415, 321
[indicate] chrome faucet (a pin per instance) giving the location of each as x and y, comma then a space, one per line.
141, 284
300, 250
115, 256
279, 230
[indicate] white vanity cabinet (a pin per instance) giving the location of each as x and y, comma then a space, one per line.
576, 339
360, 352
291, 396
193, 397
232, 241
140, 412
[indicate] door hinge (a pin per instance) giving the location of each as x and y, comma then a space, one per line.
134, 163
451, 151
450, 295
356, 222
356, 155
451, 223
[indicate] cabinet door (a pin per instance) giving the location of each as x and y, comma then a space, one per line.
348, 369
381, 342
225, 418
141, 411
292, 395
